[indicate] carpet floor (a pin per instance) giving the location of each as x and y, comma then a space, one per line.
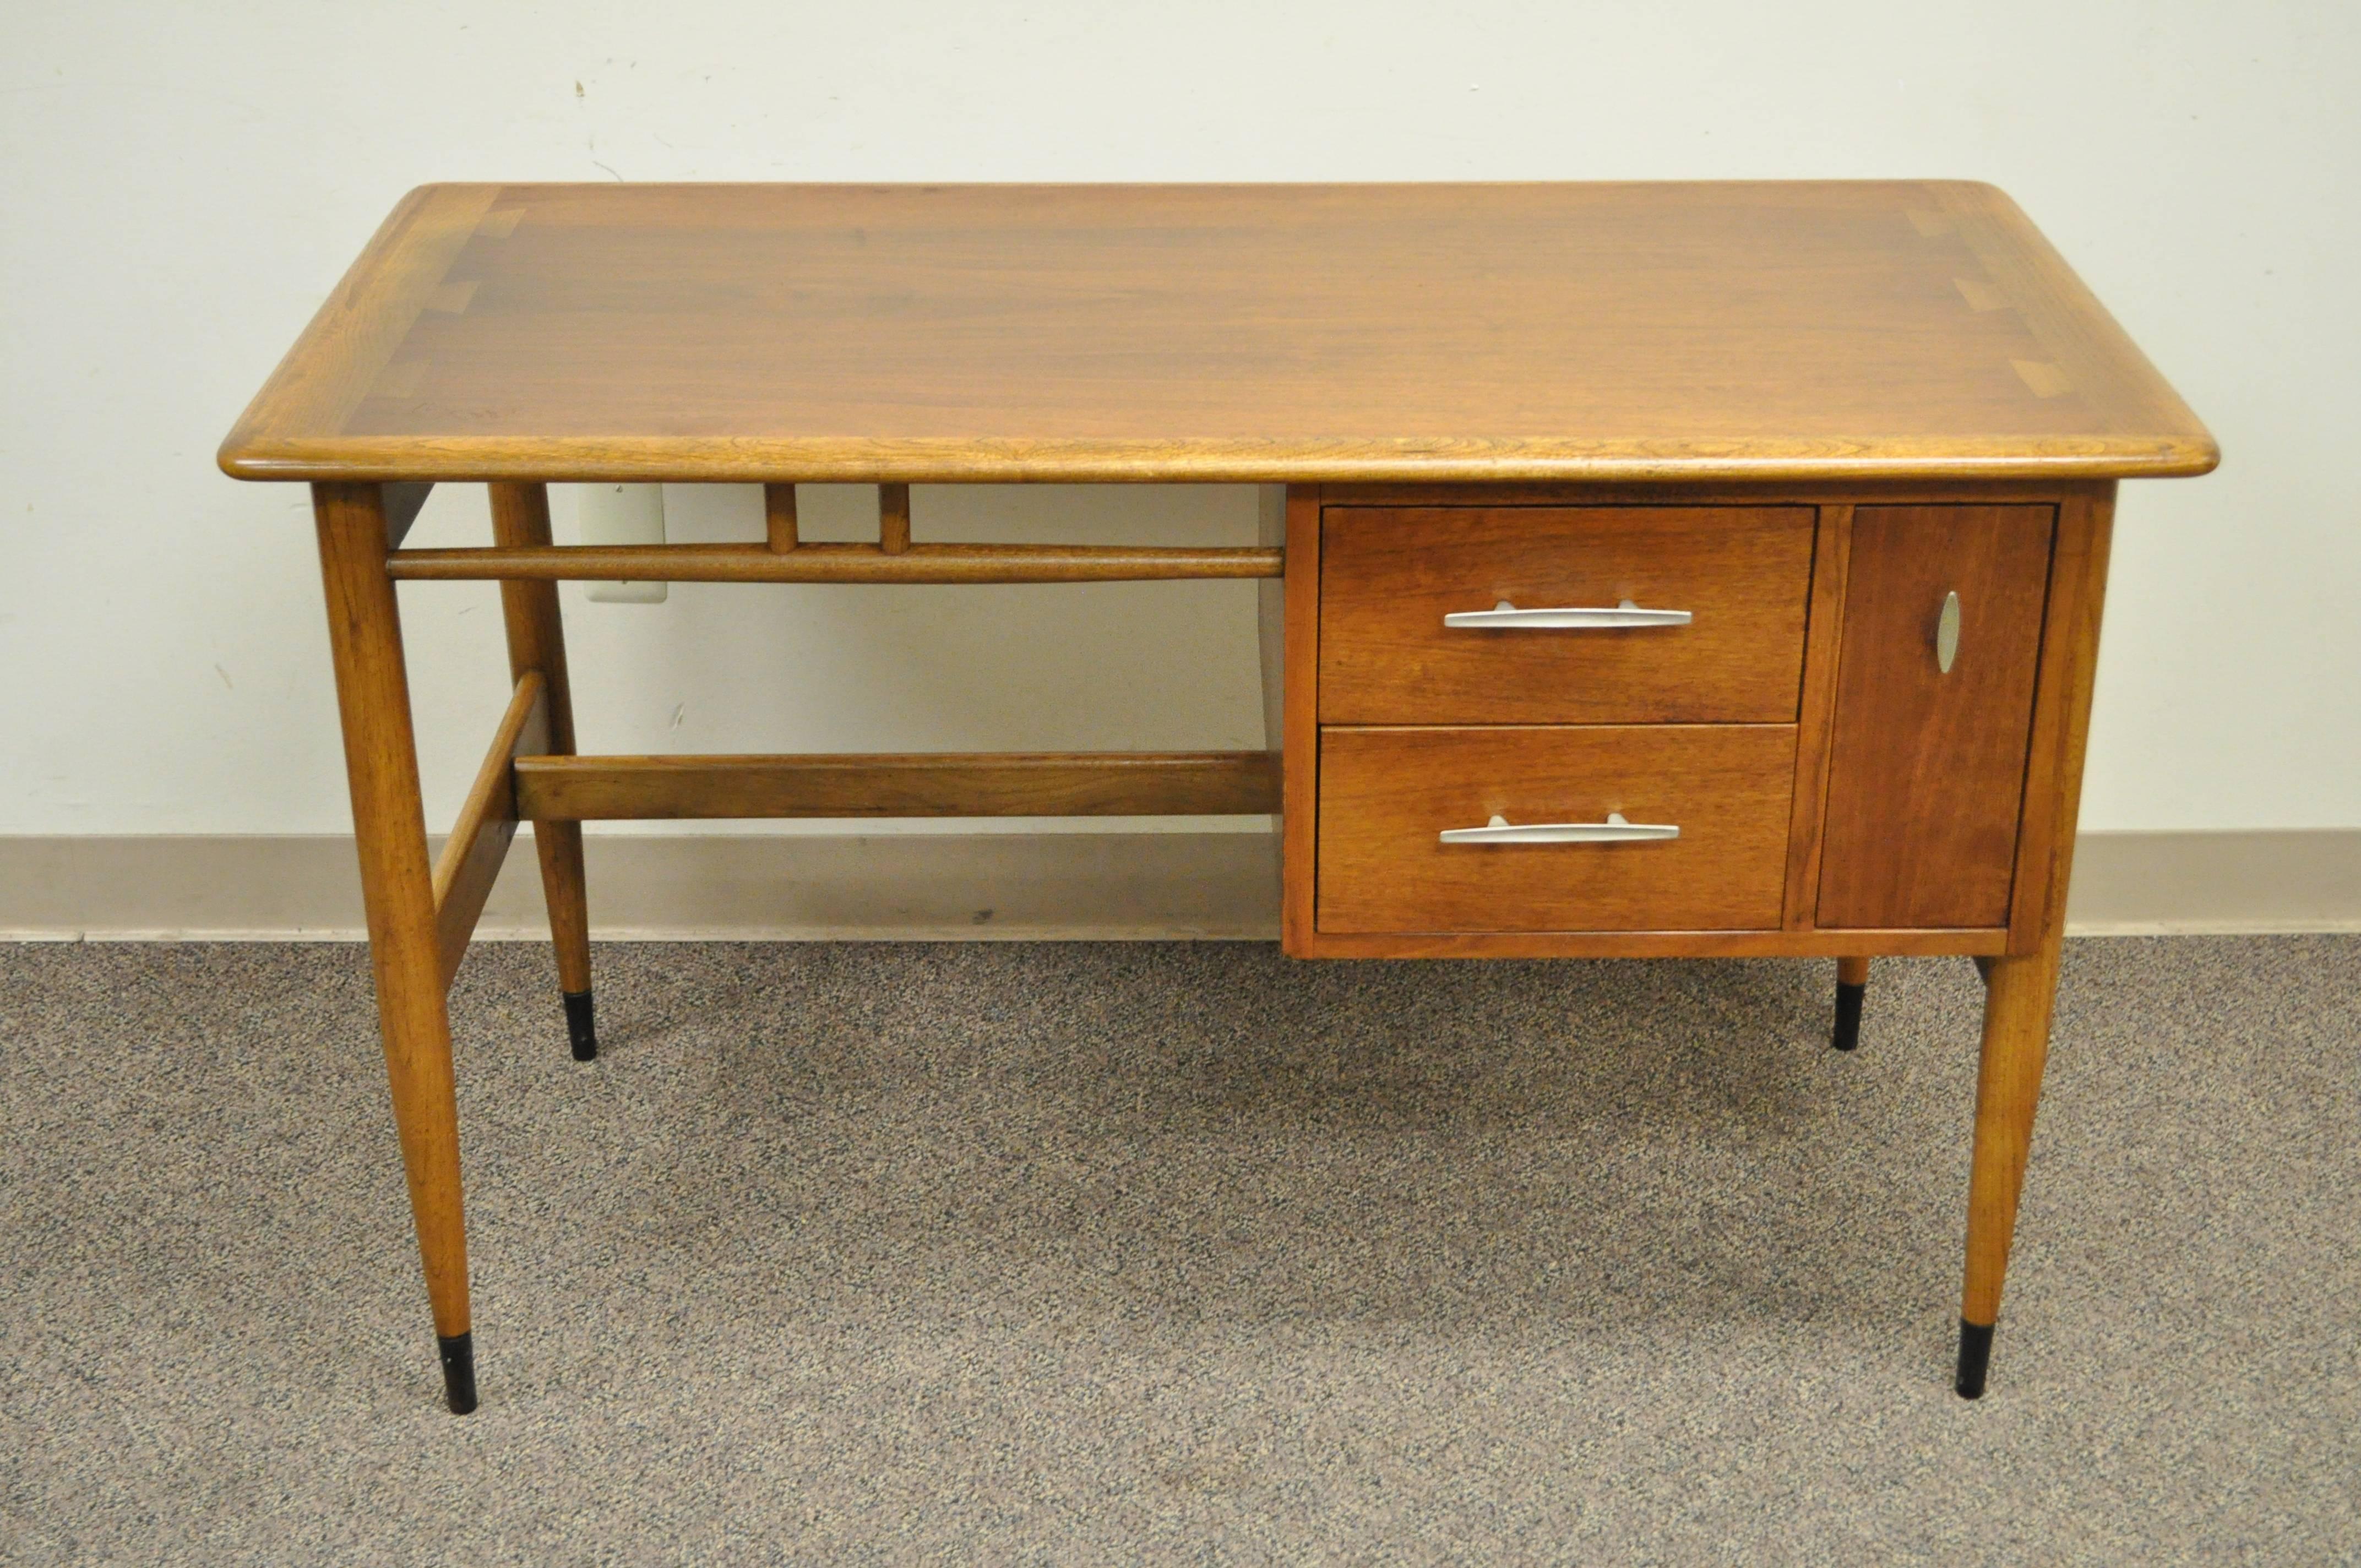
1003, 1252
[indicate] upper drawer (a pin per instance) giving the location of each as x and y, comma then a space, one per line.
1389, 574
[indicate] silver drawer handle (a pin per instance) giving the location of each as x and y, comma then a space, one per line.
1505, 614
1614, 830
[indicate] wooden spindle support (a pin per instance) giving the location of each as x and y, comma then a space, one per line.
779, 517
893, 517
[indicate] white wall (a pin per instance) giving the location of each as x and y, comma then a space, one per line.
183, 185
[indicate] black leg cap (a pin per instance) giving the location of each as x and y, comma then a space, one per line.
580, 1027
1975, 1358
1847, 1029
458, 1371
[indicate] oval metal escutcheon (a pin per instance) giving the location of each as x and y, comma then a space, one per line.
1946, 634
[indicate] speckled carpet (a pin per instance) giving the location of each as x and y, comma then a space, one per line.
1112, 1252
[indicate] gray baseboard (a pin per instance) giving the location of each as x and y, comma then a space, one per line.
1010, 886
823, 886
2165, 884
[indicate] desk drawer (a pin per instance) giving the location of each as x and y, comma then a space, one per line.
1387, 795
1389, 575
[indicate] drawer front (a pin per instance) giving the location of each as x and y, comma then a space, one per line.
1387, 795
1389, 575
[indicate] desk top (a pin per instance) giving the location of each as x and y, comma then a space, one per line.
1243, 333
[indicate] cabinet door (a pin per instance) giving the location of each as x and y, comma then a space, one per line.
1927, 768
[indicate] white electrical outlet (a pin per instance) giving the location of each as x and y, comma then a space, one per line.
621, 514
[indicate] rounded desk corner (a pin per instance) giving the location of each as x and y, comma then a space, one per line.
243, 458
2184, 456
1978, 192
233, 458
2201, 455
419, 198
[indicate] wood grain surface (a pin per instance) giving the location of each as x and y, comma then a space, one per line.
1250, 333
536, 638
2061, 717
1647, 944
1816, 714
2020, 996
1300, 723
1926, 770
1386, 795
1052, 783
397, 880
471, 857
833, 562
1388, 577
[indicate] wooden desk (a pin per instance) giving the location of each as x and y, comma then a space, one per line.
1829, 468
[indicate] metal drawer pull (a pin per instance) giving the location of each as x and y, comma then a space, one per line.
1946, 634
1505, 614
1614, 830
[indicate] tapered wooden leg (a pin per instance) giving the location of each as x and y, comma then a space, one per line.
388, 824
2021, 987
2019, 998
537, 641
1852, 986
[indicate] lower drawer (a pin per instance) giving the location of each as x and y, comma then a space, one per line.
1388, 794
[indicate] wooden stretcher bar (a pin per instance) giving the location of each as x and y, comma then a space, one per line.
471, 858
835, 564
1054, 784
